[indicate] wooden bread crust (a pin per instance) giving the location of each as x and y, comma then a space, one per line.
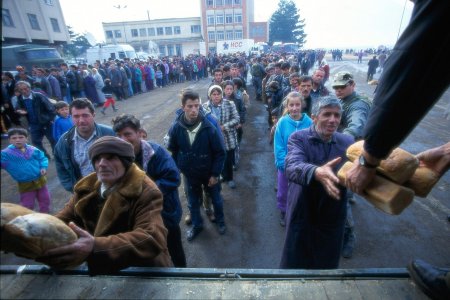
382, 193
399, 166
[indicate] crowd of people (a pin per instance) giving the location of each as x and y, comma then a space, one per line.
125, 189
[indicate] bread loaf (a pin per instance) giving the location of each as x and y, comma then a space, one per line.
9, 211
399, 166
382, 193
422, 181
33, 234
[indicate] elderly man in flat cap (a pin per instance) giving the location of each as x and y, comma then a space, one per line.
116, 213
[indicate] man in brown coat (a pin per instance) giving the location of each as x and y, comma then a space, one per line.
116, 213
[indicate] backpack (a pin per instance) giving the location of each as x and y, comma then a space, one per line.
256, 70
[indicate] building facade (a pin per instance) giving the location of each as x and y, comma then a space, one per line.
33, 21
226, 20
175, 36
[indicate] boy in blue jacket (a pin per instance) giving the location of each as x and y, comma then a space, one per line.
28, 166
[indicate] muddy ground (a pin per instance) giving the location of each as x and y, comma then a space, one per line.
254, 238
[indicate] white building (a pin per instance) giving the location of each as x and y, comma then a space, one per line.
33, 21
176, 36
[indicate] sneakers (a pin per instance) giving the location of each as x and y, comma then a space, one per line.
187, 219
283, 219
193, 232
231, 184
349, 243
222, 228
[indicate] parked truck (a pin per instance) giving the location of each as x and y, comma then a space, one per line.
105, 52
29, 55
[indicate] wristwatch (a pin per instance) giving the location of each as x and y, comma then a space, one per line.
363, 162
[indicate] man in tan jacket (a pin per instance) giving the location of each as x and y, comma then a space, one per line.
116, 213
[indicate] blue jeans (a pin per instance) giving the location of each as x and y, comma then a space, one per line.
194, 193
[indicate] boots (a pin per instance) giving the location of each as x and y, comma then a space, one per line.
348, 243
103, 111
114, 108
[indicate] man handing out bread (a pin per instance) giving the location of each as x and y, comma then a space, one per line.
116, 213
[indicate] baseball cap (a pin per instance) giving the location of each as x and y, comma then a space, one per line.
342, 78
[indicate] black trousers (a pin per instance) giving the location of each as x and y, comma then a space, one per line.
175, 247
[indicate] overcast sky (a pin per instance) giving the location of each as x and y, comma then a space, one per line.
328, 23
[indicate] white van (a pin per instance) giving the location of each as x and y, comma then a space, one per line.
105, 52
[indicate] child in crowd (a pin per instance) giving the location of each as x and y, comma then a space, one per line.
28, 166
292, 120
108, 90
158, 76
63, 121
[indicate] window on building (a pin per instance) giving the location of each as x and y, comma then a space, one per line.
237, 2
211, 35
219, 19
159, 31
170, 50
55, 25
238, 34
209, 2
6, 18
229, 35
238, 18
195, 29
117, 33
162, 50
219, 2
210, 20
220, 36
48, 2
178, 49
134, 33
228, 2
34, 22
176, 30
229, 18
151, 31
109, 34
168, 30
142, 32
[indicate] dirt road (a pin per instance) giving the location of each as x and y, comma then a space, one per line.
254, 238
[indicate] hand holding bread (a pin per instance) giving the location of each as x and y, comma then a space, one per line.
30, 234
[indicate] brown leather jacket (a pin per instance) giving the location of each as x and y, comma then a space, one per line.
127, 226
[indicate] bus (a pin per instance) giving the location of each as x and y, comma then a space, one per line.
29, 55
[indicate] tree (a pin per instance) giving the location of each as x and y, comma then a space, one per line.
285, 24
78, 43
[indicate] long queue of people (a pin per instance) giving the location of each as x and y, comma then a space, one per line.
206, 159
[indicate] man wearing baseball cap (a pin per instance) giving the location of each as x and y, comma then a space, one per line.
355, 110
116, 213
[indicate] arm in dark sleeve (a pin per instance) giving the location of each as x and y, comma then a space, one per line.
163, 170
218, 152
415, 76
297, 168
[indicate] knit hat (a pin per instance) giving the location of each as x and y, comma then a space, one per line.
111, 145
214, 87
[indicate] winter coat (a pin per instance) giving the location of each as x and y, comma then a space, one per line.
161, 168
66, 167
315, 221
128, 230
229, 118
90, 89
43, 109
285, 127
204, 158
355, 110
